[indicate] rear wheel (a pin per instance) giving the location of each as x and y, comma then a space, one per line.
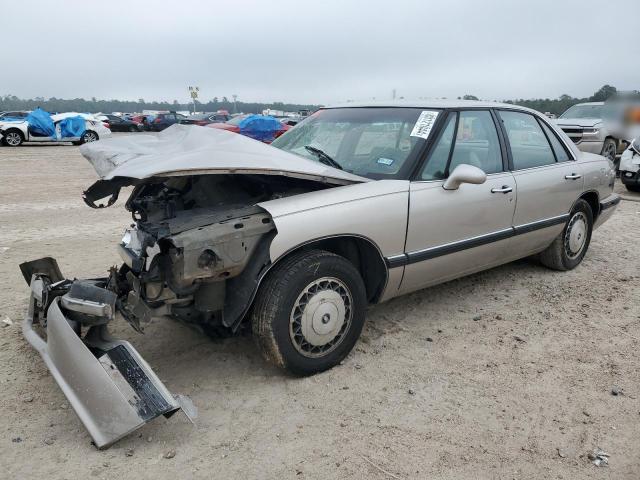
309, 312
13, 138
569, 248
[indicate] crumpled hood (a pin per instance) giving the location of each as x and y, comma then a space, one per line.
194, 150
581, 122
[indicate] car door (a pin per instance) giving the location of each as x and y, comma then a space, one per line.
115, 123
456, 232
548, 179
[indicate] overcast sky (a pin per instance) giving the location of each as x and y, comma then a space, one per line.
319, 51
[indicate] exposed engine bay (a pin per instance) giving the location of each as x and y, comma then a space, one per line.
198, 247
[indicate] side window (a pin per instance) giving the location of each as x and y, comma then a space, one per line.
477, 142
529, 145
558, 148
436, 165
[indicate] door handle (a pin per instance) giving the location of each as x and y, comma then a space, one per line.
504, 189
573, 176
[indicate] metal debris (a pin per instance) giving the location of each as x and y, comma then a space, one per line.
599, 458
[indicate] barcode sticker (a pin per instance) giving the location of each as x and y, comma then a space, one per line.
425, 123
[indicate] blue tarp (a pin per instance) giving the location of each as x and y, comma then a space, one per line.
260, 127
72, 127
41, 124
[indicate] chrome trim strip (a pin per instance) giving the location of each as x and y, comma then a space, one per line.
605, 204
457, 246
438, 251
396, 260
538, 224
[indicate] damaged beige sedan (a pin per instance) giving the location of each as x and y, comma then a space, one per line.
352, 207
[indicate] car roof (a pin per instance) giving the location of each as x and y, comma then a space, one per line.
590, 103
431, 104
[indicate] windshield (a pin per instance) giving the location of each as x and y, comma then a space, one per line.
583, 111
371, 142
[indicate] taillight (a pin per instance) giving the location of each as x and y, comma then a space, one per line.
106, 125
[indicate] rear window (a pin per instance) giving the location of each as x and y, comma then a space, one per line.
529, 145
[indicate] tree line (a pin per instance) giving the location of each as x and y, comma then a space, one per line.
93, 105
11, 102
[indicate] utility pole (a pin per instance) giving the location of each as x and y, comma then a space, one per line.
193, 91
235, 97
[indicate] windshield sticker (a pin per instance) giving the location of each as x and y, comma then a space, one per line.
425, 123
385, 161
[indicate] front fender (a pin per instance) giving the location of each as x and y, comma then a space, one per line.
373, 210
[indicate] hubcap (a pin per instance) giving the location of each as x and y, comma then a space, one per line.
90, 137
321, 316
13, 139
576, 235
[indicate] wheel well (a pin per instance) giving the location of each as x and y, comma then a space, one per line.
594, 202
14, 129
362, 253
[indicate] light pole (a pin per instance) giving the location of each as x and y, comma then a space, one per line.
235, 97
193, 91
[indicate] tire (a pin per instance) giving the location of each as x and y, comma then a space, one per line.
569, 248
89, 136
609, 149
633, 188
133, 129
13, 138
301, 338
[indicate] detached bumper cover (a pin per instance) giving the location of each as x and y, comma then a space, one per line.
109, 385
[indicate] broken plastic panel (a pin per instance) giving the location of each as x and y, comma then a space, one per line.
109, 385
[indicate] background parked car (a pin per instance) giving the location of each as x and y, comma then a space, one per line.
259, 127
163, 120
584, 125
630, 166
206, 118
13, 114
118, 124
40, 126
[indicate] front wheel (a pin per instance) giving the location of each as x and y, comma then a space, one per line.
89, 136
309, 312
13, 138
569, 248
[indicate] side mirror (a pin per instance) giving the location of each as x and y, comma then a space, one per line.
464, 174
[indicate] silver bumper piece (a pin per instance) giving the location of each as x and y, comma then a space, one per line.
109, 385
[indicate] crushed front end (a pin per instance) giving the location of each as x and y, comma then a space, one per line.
196, 251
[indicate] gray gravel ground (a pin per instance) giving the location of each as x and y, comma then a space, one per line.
503, 374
